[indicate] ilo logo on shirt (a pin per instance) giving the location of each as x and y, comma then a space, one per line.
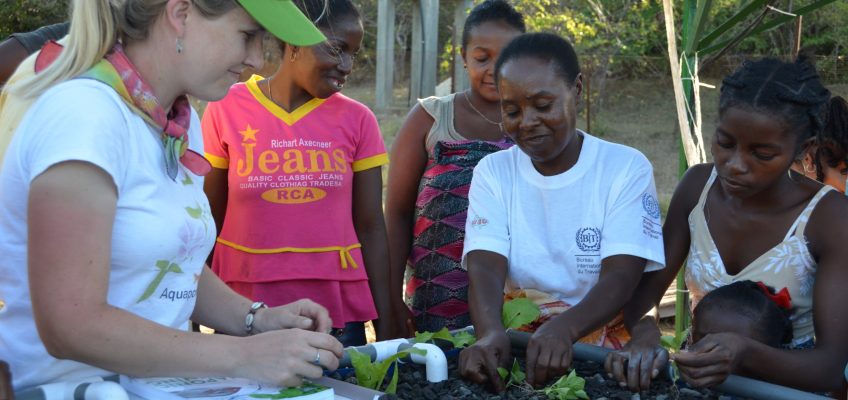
589, 239
651, 206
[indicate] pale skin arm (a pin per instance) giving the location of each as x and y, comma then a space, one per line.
70, 232
407, 161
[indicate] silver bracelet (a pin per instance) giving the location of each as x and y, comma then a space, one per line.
251, 316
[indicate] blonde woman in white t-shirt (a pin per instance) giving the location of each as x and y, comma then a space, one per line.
105, 228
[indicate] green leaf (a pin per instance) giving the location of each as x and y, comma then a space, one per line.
519, 312
306, 389
741, 15
187, 181
568, 387
460, 339
364, 369
503, 373
516, 374
463, 339
423, 337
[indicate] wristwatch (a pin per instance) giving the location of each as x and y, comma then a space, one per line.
251, 316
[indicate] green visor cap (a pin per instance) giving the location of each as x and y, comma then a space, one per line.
284, 20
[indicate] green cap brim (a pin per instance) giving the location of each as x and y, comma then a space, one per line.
284, 20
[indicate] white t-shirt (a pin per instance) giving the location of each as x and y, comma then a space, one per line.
163, 229
555, 230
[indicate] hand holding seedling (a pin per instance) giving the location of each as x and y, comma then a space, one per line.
711, 360
548, 352
642, 358
479, 363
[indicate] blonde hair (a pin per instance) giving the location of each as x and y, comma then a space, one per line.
96, 25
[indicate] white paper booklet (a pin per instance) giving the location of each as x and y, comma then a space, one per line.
219, 389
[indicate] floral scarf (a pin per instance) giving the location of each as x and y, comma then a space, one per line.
117, 71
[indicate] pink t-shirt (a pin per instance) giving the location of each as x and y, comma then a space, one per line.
290, 175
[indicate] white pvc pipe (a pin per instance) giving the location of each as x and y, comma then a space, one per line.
434, 362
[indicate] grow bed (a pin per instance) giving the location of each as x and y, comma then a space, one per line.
413, 385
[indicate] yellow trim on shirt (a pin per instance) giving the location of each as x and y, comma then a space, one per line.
285, 116
370, 162
345, 257
217, 162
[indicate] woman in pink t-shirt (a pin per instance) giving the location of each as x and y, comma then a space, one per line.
296, 190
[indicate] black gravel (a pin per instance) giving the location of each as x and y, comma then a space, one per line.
413, 385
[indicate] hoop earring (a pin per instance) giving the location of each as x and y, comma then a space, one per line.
179, 46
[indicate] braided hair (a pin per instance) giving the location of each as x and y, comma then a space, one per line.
771, 323
832, 141
790, 91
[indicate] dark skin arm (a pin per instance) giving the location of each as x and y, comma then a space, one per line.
642, 358
408, 159
549, 349
716, 356
371, 231
12, 53
487, 276
215, 186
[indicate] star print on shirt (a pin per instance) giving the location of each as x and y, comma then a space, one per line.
249, 133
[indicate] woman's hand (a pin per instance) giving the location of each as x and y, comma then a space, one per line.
303, 314
548, 352
711, 360
479, 363
636, 364
285, 357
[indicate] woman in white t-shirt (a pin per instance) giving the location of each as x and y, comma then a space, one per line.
563, 218
104, 226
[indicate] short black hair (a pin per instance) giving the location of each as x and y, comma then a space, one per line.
788, 90
326, 13
545, 47
832, 141
492, 10
747, 299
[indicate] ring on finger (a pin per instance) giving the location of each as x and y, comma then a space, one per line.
317, 360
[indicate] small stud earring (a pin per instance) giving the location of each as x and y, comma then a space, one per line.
179, 46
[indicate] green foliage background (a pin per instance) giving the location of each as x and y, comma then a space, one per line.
620, 37
28, 15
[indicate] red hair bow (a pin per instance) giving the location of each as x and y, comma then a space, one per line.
781, 298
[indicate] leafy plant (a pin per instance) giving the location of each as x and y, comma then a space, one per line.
567, 387
513, 377
371, 374
519, 312
288, 393
673, 344
458, 340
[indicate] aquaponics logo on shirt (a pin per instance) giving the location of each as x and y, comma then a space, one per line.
589, 239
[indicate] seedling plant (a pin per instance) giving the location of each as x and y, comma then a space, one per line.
371, 374
673, 344
567, 387
457, 340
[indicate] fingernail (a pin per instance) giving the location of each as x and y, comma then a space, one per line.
654, 373
306, 322
609, 375
622, 384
